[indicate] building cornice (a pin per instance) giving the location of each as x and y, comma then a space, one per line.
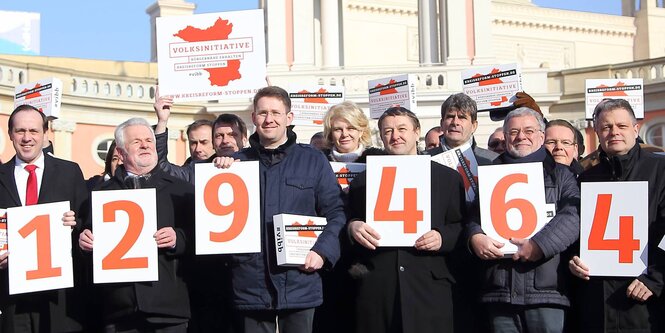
534, 17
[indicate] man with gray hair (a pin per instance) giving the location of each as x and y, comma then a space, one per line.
162, 305
528, 293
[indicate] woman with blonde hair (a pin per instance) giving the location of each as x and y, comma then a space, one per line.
346, 128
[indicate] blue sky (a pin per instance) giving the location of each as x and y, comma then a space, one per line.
120, 29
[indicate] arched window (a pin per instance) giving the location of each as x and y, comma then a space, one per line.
118, 90
130, 91
655, 133
107, 89
140, 92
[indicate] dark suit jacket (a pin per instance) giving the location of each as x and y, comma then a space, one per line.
423, 283
59, 310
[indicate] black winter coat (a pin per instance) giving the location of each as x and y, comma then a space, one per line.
602, 302
167, 297
418, 281
544, 281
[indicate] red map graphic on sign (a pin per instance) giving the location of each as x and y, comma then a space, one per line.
305, 233
218, 31
490, 82
614, 93
387, 91
467, 183
315, 99
33, 95
343, 180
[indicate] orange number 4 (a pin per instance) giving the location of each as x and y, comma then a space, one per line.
40, 225
625, 244
410, 215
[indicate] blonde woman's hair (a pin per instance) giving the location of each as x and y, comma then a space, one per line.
350, 112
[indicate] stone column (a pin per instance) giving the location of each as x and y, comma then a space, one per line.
628, 7
456, 19
443, 31
427, 32
303, 33
276, 34
62, 138
165, 8
330, 33
482, 32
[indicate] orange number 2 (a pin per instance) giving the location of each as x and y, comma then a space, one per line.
40, 225
410, 215
625, 244
115, 260
239, 207
499, 207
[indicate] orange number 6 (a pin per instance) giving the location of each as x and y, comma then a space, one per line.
40, 225
499, 207
239, 207
410, 215
115, 260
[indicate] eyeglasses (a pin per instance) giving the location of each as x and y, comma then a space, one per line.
565, 143
529, 131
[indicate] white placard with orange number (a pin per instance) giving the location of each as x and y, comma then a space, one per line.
124, 223
41, 248
512, 202
614, 228
398, 198
228, 218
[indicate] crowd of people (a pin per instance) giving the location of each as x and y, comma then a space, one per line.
455, 277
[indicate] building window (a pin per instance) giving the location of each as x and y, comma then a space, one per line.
130, 91
74, 85
654, 134
118, 90
140, 92
103, 148
20, 77
84, 86
95, 88
107, 89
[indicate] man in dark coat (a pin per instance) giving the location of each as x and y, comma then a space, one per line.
57, 180
407, 289
459, 121
162, 305
294, 179
208, 277
528, 292
625, 304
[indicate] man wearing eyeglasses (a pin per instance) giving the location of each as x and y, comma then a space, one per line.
561, 142
526, 293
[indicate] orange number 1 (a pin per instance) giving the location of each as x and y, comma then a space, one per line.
410, 215
115, 260
625, 244
40, 225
